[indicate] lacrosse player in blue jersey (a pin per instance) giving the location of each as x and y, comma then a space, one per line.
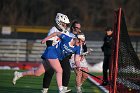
52, 55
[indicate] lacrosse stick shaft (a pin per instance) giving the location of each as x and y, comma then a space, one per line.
91, 75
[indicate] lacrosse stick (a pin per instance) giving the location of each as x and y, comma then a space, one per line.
91, 75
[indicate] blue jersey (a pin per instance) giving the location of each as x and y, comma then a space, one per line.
61, 50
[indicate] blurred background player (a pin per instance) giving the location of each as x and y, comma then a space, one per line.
107, 49
61, 26
80, 76
75, 28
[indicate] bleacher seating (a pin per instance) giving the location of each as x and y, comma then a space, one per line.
36, 51
13, 50
97, 54
30, 50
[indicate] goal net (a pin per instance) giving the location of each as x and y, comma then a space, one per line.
125, 64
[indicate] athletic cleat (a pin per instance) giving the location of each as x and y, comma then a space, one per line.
44, 90
65, 90
17, 75
68, 90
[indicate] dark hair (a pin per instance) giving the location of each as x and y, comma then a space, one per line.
73, 24
108, 29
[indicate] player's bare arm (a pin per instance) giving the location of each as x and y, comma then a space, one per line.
50, 36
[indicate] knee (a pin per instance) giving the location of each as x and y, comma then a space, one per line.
86, 76
36, 74
60, 70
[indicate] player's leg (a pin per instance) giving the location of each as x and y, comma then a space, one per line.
39, 71
47, 76
78, 80
105, 68
55, 64
84, 75
47, 79
66, 72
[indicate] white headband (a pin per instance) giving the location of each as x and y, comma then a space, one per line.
82, 37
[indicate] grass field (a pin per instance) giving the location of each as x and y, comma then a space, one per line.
34, 84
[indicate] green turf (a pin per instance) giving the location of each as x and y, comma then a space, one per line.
31, 84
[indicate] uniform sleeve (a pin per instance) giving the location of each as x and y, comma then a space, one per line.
49, 42
78, 50
52, 30
55, 39
64, 38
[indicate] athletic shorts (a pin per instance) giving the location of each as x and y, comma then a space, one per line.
50, 53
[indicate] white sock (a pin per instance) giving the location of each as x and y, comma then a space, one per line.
60, 88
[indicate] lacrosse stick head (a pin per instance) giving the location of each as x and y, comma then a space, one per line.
90, 49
